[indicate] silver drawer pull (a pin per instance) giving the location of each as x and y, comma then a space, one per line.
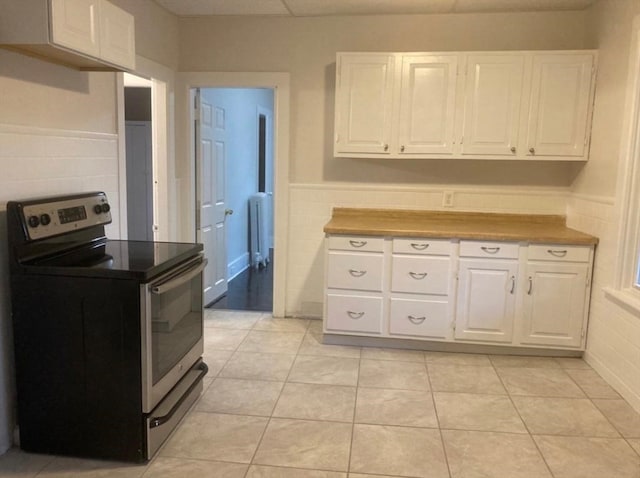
358, 243
356, 273
418, 246
557, 252
490, 250
355, 315
418, 275
416, 320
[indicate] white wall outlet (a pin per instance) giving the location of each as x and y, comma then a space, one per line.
447, 199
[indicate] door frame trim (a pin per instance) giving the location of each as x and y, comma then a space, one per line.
185, 167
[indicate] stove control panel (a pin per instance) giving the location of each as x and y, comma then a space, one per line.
52, 217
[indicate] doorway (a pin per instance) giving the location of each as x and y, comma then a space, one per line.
280, 83
234, 194
139, 157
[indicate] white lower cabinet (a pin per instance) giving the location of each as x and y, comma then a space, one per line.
486, 299
500, 293
357, 271
420, 275
354, 313
556, 299
420, 318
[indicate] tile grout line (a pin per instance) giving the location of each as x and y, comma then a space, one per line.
353, 420
435, 411
529, 434
269, 419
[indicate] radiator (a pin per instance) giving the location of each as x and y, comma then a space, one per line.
259, 216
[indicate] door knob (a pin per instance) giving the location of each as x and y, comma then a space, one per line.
228, 212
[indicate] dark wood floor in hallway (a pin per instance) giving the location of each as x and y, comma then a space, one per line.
250, 290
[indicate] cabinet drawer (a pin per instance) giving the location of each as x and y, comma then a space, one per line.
419, 317
436, 247
561, 253
420, 275
356, 243
499, 250
352, 313
355, 271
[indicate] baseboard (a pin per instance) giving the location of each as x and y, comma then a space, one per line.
237, 266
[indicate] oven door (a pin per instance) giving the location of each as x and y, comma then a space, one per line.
172, 329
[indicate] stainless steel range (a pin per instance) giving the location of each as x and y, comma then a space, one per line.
108, 334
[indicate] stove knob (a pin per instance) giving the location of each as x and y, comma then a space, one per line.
97, 209
106, 207
33, 221
45, 219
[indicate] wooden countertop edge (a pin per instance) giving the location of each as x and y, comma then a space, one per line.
532, 228
463, 216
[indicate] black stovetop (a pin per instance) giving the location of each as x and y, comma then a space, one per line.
141, 260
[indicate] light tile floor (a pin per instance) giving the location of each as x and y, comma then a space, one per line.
279, 403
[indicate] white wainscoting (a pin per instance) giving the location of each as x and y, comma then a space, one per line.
613, 337
40, 162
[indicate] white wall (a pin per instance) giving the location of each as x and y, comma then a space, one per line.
613, 341
57, 136
241, 176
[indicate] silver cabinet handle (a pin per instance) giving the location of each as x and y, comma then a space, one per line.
402, 148
386, 147
228, 212
513, 284
532, 150
358, 243
557, 253
530, 285
513, 149
419, 247
416, 320
355, 315
418, 275
356, 273
490, 250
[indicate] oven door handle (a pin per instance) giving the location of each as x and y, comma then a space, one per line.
181, 279
158, 421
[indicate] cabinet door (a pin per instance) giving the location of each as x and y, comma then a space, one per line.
117, 36
420, 274
353, 313
560, 104
492, 104
74, 25
364, 96
427, 104
420, 318
486, 300
360, 271
554, 304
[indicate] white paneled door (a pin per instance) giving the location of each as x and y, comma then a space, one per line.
211, 157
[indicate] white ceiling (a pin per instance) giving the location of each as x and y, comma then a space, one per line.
306, 8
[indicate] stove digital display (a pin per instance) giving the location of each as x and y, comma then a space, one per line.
72, 214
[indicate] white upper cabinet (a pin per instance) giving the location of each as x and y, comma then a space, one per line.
82, 34
427, 104
74, 26
560, 104
364, 101
472, 105
117, 36
493, 102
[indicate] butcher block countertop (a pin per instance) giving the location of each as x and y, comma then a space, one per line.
533, 228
